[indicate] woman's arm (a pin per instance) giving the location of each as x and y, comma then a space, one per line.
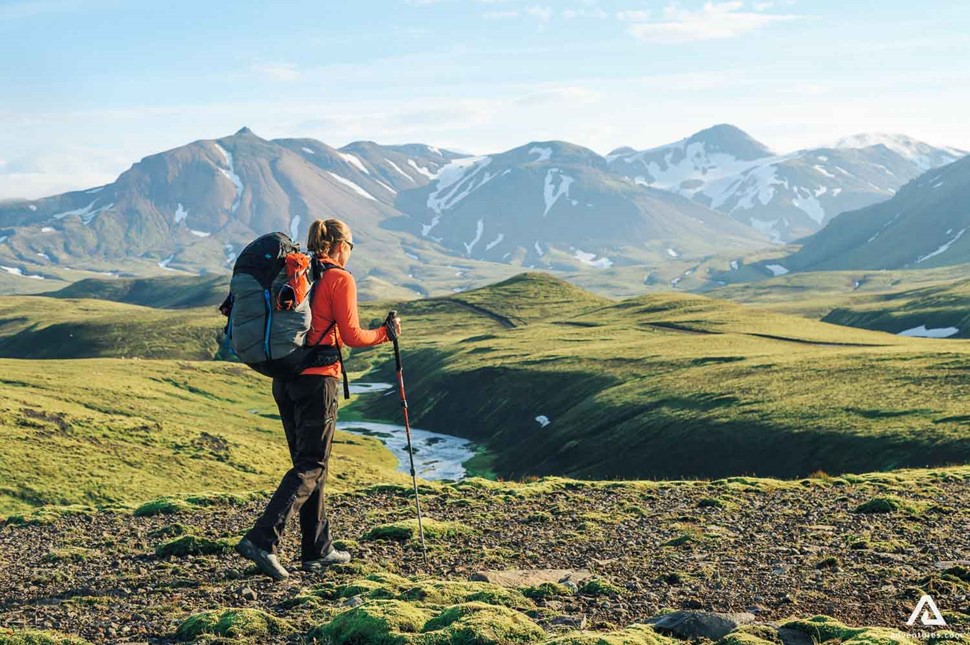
344, 299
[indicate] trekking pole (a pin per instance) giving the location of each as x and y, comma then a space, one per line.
391, 316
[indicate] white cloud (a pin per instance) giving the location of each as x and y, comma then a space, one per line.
277, 71
634, 15
715, 20
571, 14
544, 14
501, 15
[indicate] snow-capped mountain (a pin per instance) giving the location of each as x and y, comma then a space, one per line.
554, 204
926, 224
786, 196
194, 207
922, 154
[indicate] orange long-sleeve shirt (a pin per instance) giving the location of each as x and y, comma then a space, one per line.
335, 299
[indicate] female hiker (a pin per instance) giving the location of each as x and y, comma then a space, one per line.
308, 408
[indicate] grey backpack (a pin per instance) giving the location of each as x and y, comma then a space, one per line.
268, 318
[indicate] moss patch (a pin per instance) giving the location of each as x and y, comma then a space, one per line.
246, 625
379, 622
194, 545
162, 506
35, 637
405, 530
631, 635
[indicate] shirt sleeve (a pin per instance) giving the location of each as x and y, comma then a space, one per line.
345, 314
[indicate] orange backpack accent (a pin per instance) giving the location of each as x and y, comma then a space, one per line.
297, 282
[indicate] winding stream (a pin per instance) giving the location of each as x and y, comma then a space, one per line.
436, 456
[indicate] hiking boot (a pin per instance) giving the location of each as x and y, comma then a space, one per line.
265, 560
333, 557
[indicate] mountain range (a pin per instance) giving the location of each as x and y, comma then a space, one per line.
433, 220
786, 196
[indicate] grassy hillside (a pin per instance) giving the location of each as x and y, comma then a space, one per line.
815, 294
946, 305
163, 292
125, 431
675, 385
45, 327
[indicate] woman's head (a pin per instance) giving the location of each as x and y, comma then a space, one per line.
325, 237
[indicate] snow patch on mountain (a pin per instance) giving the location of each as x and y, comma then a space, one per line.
164, 263
180, 213
86, 214
943, 248
672, 253
552, 191
307, 150
456, 181
493, 243
479, 228
421, 169
916, 151
231, 175
355, 162
19, 272
398, 169
545, 154
199, 233
810, 206
776, 269
351, 185
590, 259
538, 249
295, 228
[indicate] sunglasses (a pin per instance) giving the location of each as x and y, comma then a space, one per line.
350, 244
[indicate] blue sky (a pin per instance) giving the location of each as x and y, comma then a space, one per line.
90, 86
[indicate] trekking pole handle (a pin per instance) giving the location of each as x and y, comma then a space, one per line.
389, 323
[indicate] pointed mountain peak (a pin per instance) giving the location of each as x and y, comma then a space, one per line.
244, 131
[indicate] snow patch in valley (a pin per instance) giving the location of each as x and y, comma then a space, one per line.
412, 256
937, 185
355, 162
45, 256
538, 249
230, 252
552, 192
19, 272
354, 187
923, 332
164, 263
545, 154
734, 265
46, 229
823, 171
180, 213
198, 233
943, 248
589, 258
776, 269
672, 253
295, 228
542, 420
32, 207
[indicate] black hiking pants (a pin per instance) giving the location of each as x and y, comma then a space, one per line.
308, 408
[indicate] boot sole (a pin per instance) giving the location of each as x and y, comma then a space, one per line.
248, 551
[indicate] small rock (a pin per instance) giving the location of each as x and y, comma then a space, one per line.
700, 624
569, 584
247, 593
531, 577
574, 622
353, 601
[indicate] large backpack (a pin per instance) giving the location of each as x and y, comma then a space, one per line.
269, 308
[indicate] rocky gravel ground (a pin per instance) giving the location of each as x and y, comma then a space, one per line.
862, 551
